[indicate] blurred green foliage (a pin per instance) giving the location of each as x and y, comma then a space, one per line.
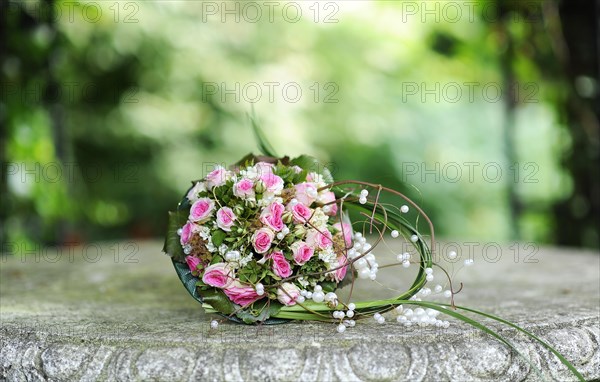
110, 108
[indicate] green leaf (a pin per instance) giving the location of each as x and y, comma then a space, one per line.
263, 143
218, 237
172, 246
568, 364
312, 164
218, 300
259, 311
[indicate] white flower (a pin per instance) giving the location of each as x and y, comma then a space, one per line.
199, 187
245, 260
319, 219
223, 249
204, 232
327, 256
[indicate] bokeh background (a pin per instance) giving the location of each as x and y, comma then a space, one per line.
485, 111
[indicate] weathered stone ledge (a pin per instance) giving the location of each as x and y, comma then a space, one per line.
114, 320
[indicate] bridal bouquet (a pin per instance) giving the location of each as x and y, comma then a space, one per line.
271, 239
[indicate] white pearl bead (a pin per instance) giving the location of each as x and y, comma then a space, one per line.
381, 320
360, 263
376, 316
300, 299
399, 309
308, 294
350, 313
438, 288
394, 234
364, 193
330, 297
318, 288
408, 313
414, 238
373, 276
419, 311
341, 328
428, 271
214, 324
404, 209
179, 231
429, 277
362, 200
406, 264
280, 236
364, 273
351, 306
318, 297
447, 293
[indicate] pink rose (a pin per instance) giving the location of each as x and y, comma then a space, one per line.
306, 193
244, 189
218, 275
241, 294
273, 183
271, 216
281, 267
288, 294
201, 209
225, 218
328, 197
273, 222
186, 232
302, 252
192, 262
262, 239
300, 212
338, 275
321, 240
347, 230
216, 177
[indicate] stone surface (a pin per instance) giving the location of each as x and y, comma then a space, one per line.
117, 311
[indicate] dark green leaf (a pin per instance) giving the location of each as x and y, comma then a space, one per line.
218, 237
261, 310
172, 246
312, 164
263, 143
218, 300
